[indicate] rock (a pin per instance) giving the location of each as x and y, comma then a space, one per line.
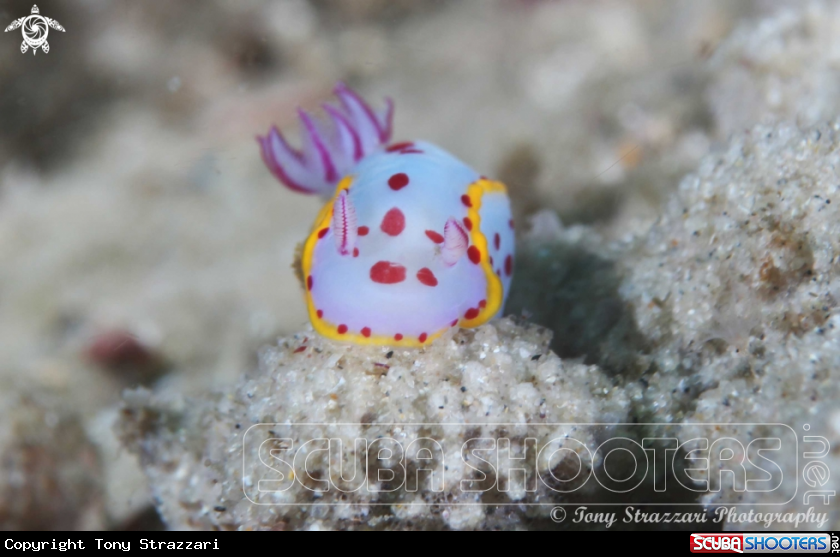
309, 387
781, 67
736, 289
49, 470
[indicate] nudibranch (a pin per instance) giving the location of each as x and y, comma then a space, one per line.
411, 241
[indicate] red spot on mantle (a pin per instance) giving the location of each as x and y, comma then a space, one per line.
366, 332
427, 277
472, 313
468, 223
385, 272
403, 148
474, 254
465, 199
363, 230
393, 223
398, 181
400, 146
309, 282
497, 240
323, 232
508, 265
342, 329
434, 236
422, 337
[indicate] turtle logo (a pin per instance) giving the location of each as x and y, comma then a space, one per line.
35, 30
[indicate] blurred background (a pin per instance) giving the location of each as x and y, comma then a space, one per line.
142, 241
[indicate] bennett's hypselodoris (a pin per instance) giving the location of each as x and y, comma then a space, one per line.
411, 242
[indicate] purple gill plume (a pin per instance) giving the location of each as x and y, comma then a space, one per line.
331, 149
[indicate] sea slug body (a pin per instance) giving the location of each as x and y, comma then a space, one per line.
411, 242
